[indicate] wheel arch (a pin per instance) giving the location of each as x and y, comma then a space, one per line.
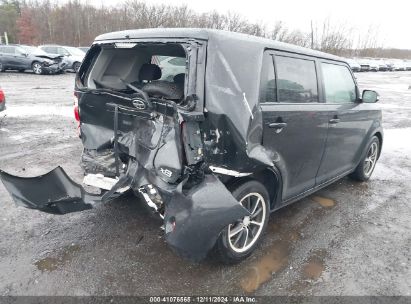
270, 177
380, 138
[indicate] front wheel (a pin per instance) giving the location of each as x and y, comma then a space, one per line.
237, 241
366, 166
37, 68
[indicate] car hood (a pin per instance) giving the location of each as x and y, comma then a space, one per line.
48, 56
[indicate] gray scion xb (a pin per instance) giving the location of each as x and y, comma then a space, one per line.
213, 130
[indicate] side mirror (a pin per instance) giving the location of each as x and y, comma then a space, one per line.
369, 96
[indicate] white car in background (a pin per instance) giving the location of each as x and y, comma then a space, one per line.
72, 55
354, 65
374, 65
399, 65
171, 66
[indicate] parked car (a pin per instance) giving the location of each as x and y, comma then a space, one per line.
2, 100
365, 65
212, 158
84, 48
382, 66
399, 65
374, 65
354, 65
24, 57
73, 56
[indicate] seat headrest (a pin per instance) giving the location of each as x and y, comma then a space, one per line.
149, 71
179, 78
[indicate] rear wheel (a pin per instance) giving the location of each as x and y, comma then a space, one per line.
237, 241
37, 68
366, 166
1, 67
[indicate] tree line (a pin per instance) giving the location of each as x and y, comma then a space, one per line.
76, 23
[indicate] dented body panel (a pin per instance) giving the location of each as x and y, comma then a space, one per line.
180, 153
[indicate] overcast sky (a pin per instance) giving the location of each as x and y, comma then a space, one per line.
392, 18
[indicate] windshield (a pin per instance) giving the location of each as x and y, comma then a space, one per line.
74, 51
34, 50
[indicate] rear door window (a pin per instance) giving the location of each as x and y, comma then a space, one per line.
7, 49
296, 80
339, 85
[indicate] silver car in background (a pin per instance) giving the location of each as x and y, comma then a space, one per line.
72, 55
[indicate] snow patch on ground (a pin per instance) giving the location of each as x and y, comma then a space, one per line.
38, 110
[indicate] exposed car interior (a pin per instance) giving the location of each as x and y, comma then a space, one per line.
149, 67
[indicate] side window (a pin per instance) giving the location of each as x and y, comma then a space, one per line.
178, 61
62, 51
20, 51
297, 80
170, 66
268, 90
338, 84
7, 50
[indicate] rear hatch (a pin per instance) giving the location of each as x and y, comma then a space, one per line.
131, 98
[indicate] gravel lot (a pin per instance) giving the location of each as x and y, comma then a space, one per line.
349, 239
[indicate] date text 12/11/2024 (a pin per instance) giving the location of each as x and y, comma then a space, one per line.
203, 299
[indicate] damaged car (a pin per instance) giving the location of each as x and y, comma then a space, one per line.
24, 57
246, 127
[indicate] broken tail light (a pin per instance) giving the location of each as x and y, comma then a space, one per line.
2, 98
77, 112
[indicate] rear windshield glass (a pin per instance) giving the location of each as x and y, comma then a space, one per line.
155, 68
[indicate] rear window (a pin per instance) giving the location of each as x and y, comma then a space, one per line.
139, 65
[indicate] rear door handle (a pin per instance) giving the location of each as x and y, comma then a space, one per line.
277, 125
334, 121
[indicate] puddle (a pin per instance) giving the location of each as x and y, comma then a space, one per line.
275, 260
53, 262
315, 265
324, 202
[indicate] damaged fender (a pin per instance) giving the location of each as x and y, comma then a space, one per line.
194, 220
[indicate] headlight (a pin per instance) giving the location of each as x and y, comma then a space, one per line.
48, 62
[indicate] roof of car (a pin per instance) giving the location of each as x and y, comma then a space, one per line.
207, 34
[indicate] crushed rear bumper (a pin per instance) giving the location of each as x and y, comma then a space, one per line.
193, 217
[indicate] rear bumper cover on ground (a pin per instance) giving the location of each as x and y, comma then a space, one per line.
193, 218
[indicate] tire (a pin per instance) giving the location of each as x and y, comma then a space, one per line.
37, 68
239, 247
76, 66
1, 67
366, 166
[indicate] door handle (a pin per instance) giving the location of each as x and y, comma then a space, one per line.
277, 125
334, 121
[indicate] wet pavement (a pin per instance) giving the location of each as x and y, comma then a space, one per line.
348, 239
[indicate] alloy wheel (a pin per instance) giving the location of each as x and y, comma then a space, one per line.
371, 159
243, 234
37, 68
